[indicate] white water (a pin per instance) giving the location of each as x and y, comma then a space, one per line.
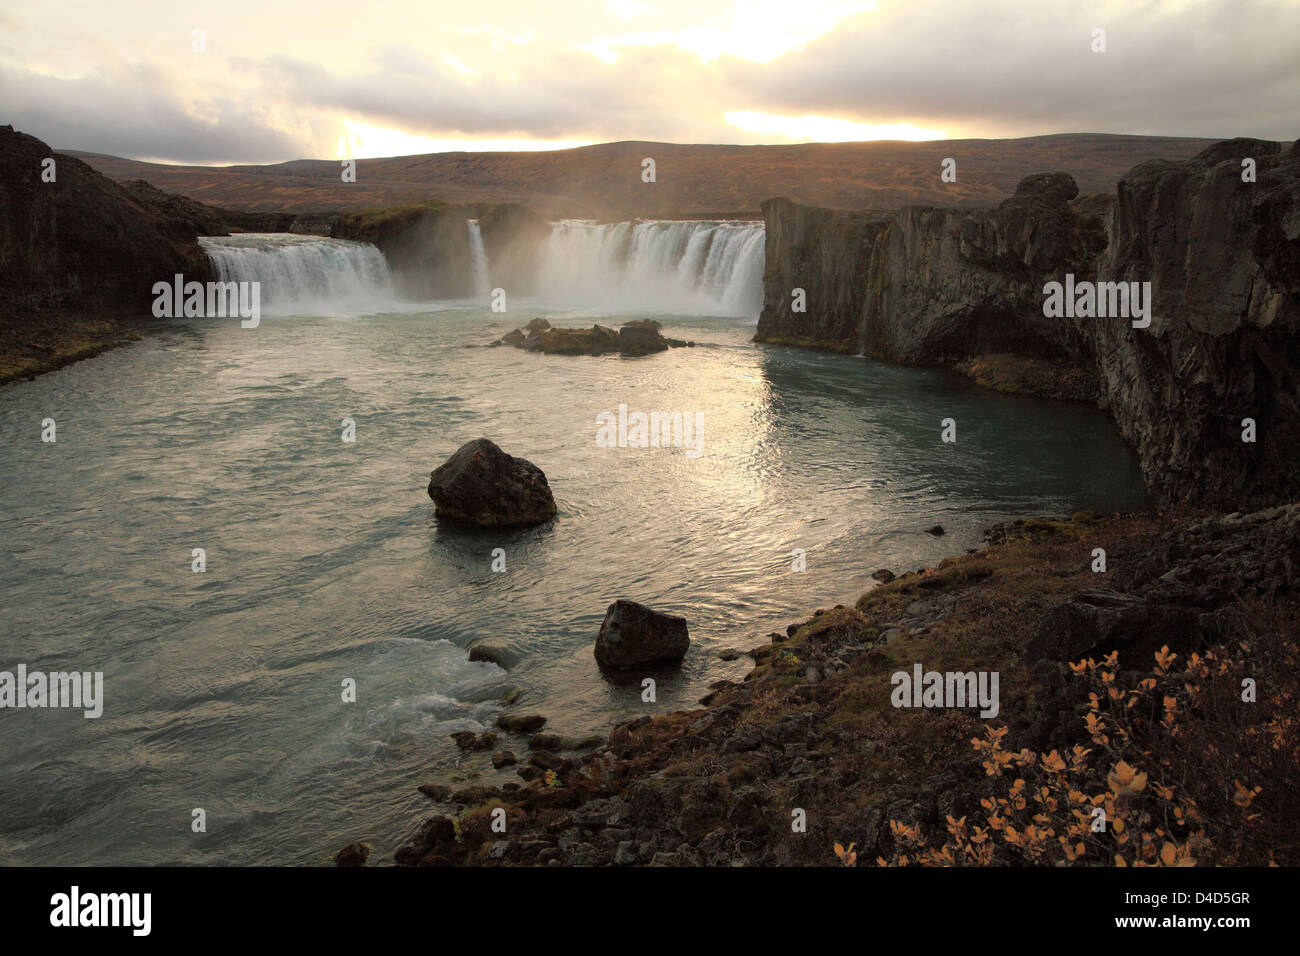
305, 275
482, 286
681, 268
693, 268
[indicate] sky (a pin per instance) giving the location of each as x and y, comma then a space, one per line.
256, 82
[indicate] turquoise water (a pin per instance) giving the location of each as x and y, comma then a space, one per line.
324, 560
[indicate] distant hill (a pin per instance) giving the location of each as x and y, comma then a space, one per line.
604, 181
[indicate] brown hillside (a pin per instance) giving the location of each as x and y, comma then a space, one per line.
604, 181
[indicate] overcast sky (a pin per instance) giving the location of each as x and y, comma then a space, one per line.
328, 79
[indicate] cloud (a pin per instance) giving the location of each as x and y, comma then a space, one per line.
676, 70
1225, 67
141, 112
567, 95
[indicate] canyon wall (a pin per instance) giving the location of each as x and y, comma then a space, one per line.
84, 241
965, 289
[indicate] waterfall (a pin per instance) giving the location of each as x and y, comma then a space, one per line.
482, 286
695, 267
305, 275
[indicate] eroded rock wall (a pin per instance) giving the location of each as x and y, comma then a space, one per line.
83, 241
931, 286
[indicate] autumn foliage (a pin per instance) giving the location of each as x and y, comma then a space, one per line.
1192, 762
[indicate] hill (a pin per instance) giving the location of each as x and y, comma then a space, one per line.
604, 181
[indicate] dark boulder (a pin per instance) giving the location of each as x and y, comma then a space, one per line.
641, 337
482, 486
521, 723
354, 854
633, 635
1094, 623
635, 340
1060, 187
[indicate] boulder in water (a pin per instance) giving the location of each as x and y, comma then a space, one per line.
482, 486
637, 338
633, 635
354, 854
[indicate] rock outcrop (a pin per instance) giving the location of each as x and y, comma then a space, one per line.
482, 486
633, 635
1174, 594
635, 338
79, 257
932, 286
427, 245
84, 241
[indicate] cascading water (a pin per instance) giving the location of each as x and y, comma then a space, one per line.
305, 275
697, 268
482, 285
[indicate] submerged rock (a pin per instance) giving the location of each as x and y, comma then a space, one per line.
633, 635
482, 486
521, 723
504, 657
354, 854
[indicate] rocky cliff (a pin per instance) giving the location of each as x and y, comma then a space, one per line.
79, 256
965, 289
82, 240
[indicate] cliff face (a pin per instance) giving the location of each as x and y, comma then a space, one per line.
427, 244
1223, 258
83, 241
952, 287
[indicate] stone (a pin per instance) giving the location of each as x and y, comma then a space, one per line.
521, 723
633, 635
482, 486
354, 854
504, 657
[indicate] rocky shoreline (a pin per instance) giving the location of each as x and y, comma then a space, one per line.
810, 733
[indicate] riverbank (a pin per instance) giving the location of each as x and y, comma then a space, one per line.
808, 752
31, 345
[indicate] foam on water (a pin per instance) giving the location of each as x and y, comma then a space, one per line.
305, 275
685, 268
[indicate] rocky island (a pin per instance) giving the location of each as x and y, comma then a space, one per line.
635, 338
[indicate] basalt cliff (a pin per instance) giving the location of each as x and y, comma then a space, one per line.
965, 289
79, 254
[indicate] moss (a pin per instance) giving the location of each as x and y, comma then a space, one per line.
378, 217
